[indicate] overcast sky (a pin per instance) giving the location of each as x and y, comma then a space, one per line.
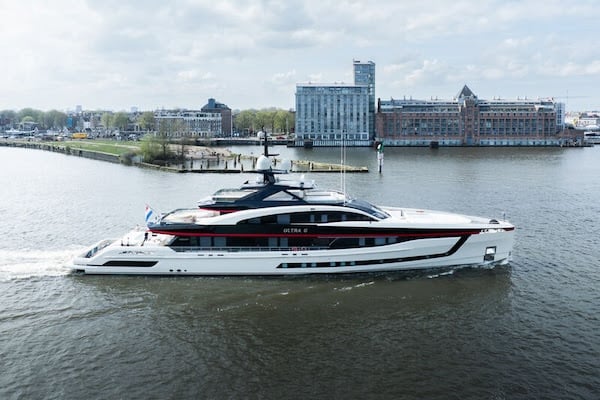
151, 54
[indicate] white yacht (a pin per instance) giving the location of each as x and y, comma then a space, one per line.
274, 226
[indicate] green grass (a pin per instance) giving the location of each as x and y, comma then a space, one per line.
104, 146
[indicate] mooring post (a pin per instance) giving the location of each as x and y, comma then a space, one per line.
380, 156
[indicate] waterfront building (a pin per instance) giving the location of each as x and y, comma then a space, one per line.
214, 119
467, 120
330, 114
214, 106
337, 113
185, 123
364, 74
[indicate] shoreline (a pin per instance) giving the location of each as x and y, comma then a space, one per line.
218, 157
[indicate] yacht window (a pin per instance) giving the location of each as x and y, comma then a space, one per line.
220, 241
181, 241
302, 218
281, 196
205, 241
230, 195
337, 217
269, 219
344, 243
368, 208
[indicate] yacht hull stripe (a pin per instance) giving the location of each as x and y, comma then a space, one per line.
321, 235
379, 261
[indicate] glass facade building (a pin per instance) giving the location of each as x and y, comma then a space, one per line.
336, 114
364, 74
328, 114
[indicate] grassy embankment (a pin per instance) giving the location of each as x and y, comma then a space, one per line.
104, 146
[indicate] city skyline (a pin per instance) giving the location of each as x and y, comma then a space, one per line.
150, 55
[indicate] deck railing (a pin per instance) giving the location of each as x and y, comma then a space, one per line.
245, 249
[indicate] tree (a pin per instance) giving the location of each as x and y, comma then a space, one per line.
262, 120
166, 130
8, 118
282, 121
107, 120
184, 142
35, 115
243, 121
291, 122
146, 121
54, 119
121, 120
156, 148
277, 120
150, 148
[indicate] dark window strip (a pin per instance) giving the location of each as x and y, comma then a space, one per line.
351, 263
129, 263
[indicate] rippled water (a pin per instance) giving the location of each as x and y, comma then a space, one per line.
529, 330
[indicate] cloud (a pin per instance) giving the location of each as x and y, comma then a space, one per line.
253, 52
284, 78
194, 75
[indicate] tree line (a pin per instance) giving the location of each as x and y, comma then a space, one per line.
272, 119
46, 120
245, 122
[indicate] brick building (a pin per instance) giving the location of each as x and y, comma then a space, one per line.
467, 120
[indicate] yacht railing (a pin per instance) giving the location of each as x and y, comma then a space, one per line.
245, 249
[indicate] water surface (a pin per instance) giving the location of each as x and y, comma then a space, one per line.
528, 330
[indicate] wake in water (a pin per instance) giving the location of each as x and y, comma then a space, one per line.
18, 264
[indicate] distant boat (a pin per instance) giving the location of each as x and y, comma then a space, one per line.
18, 132
591, 137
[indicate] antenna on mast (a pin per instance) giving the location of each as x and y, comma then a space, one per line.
343, 163
264, 165
266, 144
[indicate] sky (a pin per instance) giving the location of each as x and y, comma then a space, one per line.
250, 54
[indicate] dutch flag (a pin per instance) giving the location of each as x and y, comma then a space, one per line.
149, 215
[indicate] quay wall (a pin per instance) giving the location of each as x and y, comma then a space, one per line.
58, 148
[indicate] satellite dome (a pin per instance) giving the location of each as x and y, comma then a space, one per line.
263, 163
286, 165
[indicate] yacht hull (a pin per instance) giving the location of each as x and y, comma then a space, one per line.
489, 247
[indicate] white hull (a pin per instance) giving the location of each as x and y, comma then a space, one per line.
426, 253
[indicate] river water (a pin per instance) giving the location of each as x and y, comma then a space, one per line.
527, 330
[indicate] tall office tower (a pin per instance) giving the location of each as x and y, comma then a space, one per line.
364, 74
330, 114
